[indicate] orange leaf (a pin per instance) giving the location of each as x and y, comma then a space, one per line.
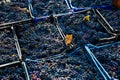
68, 39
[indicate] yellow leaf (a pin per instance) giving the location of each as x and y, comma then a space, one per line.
68, 39
87, 18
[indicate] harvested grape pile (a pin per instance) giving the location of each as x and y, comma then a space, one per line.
8, 51
109, 57
12, 73
45, 7
43, 40
40, 41
13, 11
65, 67
114, 20
83, 32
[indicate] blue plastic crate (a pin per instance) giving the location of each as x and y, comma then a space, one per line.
106, 58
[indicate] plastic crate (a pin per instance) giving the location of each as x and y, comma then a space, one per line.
44, 8
12, 11
106, 58
73, 66
8, 51
12, 72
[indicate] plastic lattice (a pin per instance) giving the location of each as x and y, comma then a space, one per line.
33, 41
